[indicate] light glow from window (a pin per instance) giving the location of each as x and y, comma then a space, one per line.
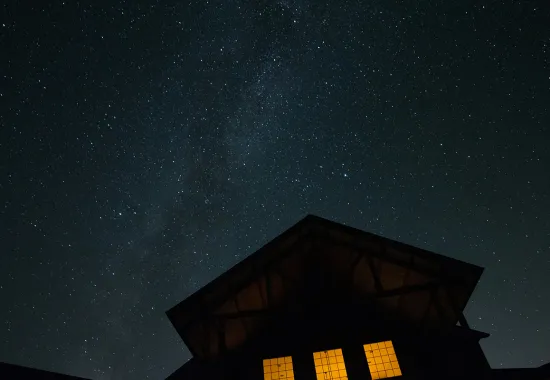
382, 360
278, 368
329, 365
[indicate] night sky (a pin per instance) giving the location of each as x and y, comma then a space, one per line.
146, 147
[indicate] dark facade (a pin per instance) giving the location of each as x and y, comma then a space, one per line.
326, 301
12, 371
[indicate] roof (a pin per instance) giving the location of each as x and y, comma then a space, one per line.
536, 373
417, 283
13, 371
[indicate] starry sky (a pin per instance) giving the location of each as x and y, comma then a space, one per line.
146, 147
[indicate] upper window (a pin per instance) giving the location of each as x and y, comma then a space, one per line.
278, 368
329, 365
382, 360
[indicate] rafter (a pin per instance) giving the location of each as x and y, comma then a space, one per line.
379, 253
438, 305
427, 311
375, 275
355, 263
461, 318
264, 300
268, 289
232, 287
243, 320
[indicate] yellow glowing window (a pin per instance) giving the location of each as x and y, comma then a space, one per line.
329, 365
382, 360
278, 368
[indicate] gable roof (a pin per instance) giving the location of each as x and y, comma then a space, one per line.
417, 283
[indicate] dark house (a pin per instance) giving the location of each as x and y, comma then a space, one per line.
326, 301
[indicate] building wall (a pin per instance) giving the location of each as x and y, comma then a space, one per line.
420, 355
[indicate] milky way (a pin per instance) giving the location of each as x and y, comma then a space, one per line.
146, 148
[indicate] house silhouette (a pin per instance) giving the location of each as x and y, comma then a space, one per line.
327, 301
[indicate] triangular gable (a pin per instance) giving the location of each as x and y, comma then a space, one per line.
419, 284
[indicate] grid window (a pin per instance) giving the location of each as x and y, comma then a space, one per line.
330, 365
278, 368
382, 360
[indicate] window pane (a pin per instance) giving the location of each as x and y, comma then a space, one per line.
329, 365
382, 360
278, 368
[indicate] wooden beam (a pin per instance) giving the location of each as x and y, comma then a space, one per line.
379, 253
461, 319
245, 325
353, 267
437, 304
268, 289
355, 263
427, 311
375, 275
264, 300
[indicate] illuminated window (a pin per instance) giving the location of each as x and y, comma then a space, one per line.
329, 365
382, 360
278, 368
